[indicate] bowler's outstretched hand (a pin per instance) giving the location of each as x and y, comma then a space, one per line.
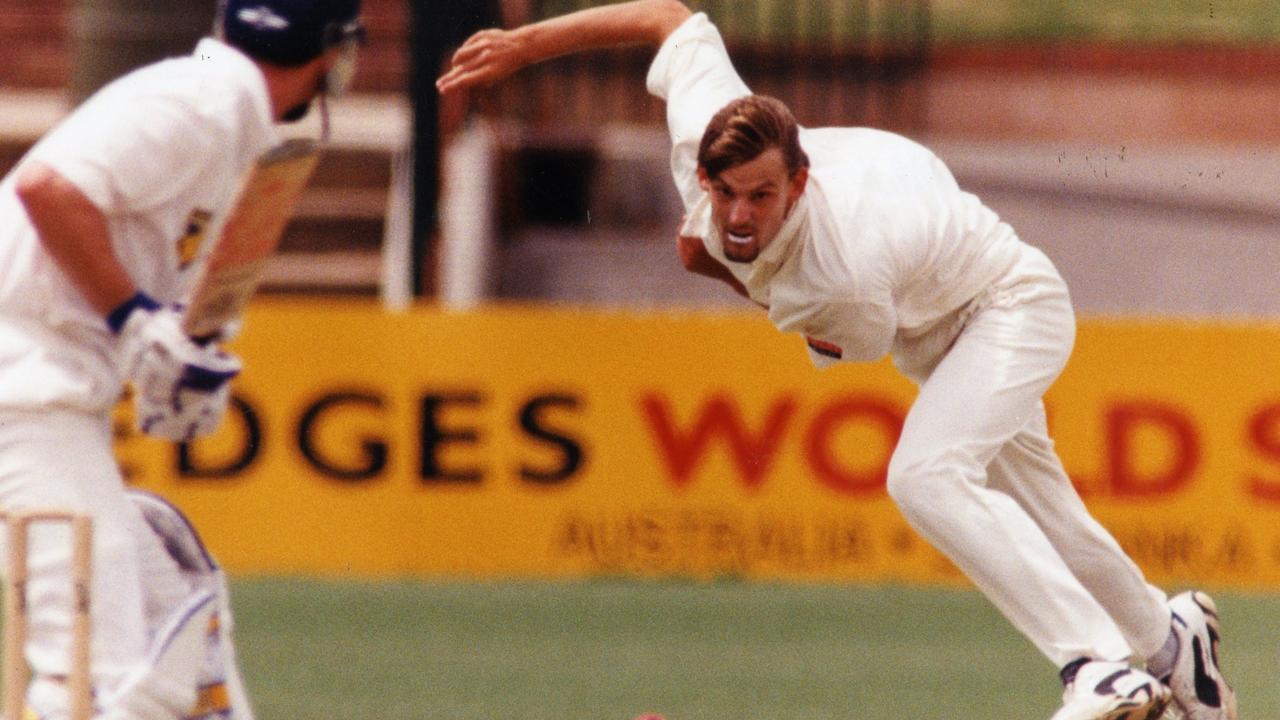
484, 59
492, 55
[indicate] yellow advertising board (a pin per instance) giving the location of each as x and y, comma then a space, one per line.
558, 443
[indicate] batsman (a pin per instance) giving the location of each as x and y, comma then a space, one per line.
862, 242
105, 226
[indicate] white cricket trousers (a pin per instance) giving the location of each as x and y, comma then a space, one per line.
63, 459
975, 473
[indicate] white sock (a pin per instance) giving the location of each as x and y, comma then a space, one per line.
1161, 664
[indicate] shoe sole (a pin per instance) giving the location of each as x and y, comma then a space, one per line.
1133, 708
1152, 710
1136, 711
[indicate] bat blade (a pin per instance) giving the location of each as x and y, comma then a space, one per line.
251, 235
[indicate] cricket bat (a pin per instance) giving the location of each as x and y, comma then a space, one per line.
251, 235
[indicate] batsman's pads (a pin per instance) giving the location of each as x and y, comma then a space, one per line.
181, 388
175, 530
221, 688
165, 687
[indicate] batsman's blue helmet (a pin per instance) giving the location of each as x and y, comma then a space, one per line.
289, 32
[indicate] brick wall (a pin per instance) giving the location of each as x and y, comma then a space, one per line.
33, 44
36, 45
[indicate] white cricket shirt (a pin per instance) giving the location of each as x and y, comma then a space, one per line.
881, 245
163, 152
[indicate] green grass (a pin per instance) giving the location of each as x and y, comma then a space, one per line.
613, 649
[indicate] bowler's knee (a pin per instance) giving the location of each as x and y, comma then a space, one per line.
923, 485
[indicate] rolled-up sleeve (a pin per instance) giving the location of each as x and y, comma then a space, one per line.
693, 74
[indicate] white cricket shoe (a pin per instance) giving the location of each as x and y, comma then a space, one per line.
1199, 689
1112, 691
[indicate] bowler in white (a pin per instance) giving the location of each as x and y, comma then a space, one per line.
861, 241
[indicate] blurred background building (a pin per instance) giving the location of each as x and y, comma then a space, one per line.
1139, 148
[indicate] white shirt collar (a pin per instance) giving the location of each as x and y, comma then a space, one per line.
756, 274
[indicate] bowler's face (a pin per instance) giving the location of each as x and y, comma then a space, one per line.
749, 202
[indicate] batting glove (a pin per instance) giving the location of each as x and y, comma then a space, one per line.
181, 388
